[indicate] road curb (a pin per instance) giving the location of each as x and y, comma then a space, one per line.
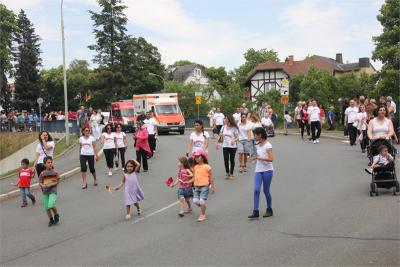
64, 176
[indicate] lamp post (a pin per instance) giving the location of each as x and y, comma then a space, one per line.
161, 77
65, 78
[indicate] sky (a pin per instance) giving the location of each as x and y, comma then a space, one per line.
215, 32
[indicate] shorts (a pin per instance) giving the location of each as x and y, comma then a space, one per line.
185, 192
288, 124
49, 201
243, 146
201, 192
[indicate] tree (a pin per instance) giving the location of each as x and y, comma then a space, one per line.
294, 88
348, 86
387, 49
109, 29
317, 84
179, 63
253, 58
28, 61
8, 26
219, 81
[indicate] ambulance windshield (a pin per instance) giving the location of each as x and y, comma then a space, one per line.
167, 109
127, 113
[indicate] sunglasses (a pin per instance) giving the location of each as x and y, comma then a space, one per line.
108, 128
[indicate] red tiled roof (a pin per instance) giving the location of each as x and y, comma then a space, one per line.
297, 67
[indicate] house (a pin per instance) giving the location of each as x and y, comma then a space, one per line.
193, 73
269, 75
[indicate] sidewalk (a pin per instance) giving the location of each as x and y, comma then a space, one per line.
324, 134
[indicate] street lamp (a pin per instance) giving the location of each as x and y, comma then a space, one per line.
161, 77
65, 78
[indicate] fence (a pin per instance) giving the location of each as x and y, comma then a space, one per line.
49, 126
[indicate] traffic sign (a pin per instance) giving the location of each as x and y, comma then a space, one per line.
285, 87
197, 93
198, 100
284, 99
40, 101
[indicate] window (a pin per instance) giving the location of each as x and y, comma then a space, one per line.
127, 112
197, 73
167, 109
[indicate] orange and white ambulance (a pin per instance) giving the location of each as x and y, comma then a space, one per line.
165, 108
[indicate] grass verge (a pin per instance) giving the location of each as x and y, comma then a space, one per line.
11, 142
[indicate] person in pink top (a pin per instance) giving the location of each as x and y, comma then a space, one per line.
185, 191
142, 145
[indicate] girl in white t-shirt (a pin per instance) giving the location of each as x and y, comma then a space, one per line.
88, 155
244, 145
198, 139
361, 119
121, 140
109, 146
229, 135
263, 173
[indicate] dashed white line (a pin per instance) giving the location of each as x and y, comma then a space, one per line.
155, 212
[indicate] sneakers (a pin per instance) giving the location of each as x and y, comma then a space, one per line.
56, 218
315, 141
268, 213
24, 205
51, 222
109, 173
181, 214
201, 218
255, 215
368, 170
127, 217
33, 201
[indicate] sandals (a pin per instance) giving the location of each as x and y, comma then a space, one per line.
95, 183
241, 169
244, 169
227, 176
84, 186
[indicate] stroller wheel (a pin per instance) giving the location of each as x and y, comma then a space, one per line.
373, 189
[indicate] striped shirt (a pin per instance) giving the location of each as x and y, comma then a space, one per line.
46, 175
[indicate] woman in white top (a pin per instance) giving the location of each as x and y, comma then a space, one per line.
198, 139
244, 142
109, 147
361, 121
255, 123
88, 155
229, 135
263, 173
380, 127
122, 146
45, 148
94, 125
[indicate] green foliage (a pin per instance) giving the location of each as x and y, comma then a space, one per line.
348, 86
317, 84
179, 63
109, 29
8, 26
253, 58
294, 87
387, 49
28, 61
272, 97
231, 99
219, 80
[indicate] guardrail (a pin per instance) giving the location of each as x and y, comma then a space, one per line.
57, 126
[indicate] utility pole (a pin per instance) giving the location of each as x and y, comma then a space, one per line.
65, 78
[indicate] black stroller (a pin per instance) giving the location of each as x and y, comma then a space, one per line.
383, 177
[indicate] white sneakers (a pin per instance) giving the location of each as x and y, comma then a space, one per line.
109, 173
127, 217
316, 141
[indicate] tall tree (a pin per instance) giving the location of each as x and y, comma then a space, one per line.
317, 84
8, 26
253, 58
28, 61
387, 49
109, 29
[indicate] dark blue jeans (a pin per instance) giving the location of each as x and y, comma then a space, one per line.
26, 192
264, 178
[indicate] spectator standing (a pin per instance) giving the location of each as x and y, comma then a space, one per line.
218, 120
315, 121
210, 116
331, 118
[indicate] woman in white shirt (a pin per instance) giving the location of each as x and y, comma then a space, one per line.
244, 142
198, 139
94, 125
121, 140
361, 120
88, 155
263, 173
109, 147
255, 123
45, 148
229, 135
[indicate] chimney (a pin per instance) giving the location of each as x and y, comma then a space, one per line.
363, 62
339, 58
290, 60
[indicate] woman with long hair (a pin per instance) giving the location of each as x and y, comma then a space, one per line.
244, 141
45, 148
304, 121
109, 147
142, 146
198, 139
122, 146
88, 155
229, 135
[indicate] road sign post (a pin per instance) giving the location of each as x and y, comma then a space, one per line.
284, 99
40, 103
197, 96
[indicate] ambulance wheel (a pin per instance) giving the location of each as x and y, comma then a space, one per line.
182, 132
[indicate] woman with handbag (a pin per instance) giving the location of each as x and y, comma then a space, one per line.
142, 146
45, 148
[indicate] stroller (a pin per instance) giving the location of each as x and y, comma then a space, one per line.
383, 177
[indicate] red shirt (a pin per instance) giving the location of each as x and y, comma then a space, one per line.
24, 178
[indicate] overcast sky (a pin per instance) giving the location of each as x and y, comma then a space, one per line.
216, 32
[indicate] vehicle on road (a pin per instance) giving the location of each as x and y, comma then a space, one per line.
165, 108
123, 113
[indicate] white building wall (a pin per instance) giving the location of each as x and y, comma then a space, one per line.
273, 80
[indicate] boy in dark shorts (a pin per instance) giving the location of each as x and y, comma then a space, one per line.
48, 181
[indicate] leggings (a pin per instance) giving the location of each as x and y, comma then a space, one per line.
352, 133
315, 130
265, 178
304, 124
229, 156
109, 153
141, 157
121, 151
90, 160
364, 140
152, 143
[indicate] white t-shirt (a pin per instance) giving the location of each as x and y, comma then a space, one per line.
219, 118
87, 145
254, 125
351, 113
262, 151
393, 105
44, 152
108, 140
266, 121
199, 140
381, 160
150, 125
243, 130
229, 134
362, 121
120, 139
237, 117
287, 118
313, 112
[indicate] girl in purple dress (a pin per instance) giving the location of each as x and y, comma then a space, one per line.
133, 192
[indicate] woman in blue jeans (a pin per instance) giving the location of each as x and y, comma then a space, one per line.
263, 173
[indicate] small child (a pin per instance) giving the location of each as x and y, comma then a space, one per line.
185, 191
383, 160
48, 181
203, 180
24, 182
133, 192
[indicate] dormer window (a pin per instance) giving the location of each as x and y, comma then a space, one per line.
197, 73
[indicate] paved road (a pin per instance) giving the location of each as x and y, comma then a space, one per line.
323, 216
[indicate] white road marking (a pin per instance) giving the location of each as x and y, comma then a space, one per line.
155, 212
346, 141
